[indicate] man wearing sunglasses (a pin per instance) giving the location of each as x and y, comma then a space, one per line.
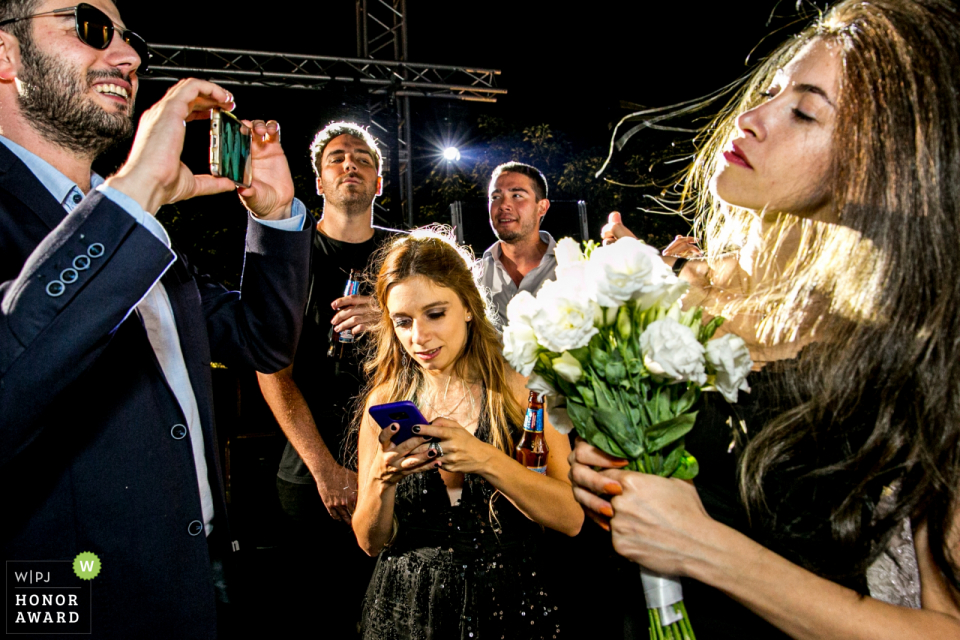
106, 335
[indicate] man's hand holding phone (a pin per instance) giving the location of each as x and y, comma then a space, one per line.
153, 174
270, 196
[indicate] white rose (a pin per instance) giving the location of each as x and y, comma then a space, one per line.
574, 280
520, 347
540, 384
664, 295
556, 407
672, 350
522, 308
568, 253
568, 367
565, 318
629, 270
730, 361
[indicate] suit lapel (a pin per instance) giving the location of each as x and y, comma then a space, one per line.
17, 180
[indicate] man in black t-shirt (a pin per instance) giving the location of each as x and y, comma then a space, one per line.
314, 399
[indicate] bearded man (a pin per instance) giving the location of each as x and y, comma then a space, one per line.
107, 442
313, 400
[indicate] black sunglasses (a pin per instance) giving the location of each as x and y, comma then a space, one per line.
95, 28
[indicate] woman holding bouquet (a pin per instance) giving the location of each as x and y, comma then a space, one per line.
840, 162
456, 520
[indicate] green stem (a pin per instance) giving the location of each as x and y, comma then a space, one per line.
686, 619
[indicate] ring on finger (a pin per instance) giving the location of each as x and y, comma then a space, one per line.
435, 446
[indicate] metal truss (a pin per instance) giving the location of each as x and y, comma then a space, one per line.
382, 35
382, 29
301, 71
381, 66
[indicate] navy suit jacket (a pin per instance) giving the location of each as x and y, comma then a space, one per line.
91, 454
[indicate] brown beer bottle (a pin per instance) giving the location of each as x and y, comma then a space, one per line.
532, 449
345, 339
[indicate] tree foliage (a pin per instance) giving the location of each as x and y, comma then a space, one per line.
570, 170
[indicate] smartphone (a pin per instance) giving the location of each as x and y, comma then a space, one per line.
230, 142
404, 413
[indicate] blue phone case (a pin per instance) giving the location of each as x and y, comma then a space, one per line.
404, 413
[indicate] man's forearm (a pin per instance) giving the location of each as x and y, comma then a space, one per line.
49, 335
292, 413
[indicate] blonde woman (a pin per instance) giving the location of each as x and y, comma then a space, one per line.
456, 520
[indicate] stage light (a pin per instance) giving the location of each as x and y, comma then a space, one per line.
451, 154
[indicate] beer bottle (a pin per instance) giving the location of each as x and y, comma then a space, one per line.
345, 338
532, 449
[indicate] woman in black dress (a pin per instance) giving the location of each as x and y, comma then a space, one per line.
835, 180
456, 524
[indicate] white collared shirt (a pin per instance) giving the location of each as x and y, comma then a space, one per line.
501, 286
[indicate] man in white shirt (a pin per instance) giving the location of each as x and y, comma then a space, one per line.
523, 257
106, 335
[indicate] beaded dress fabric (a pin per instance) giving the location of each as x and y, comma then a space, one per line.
458, 571
894, 577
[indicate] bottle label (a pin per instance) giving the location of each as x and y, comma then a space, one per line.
542, 470
352, 288
534, 420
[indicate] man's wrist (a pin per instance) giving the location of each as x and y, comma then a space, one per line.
280, 213
323, 464
139, 190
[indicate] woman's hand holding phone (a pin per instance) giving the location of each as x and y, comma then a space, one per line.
399, 460
403, 452
463, 452
406, 437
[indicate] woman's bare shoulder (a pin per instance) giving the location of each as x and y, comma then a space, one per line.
378, 395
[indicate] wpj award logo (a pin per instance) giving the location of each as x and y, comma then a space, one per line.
50, 596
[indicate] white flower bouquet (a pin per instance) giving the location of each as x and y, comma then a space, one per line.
620, 362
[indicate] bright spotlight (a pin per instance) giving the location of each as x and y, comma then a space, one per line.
451, 154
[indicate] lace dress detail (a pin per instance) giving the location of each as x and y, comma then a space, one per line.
464, 571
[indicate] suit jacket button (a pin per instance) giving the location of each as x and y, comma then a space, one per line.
55, 288
195, 528
178, 432
81, 262
69, 275
95, 250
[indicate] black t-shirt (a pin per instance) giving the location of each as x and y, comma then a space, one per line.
329, 385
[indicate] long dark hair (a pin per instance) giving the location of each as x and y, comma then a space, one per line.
875, 405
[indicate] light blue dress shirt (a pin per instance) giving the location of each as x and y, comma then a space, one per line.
154, 309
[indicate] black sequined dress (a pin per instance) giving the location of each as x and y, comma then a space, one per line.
458, 571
